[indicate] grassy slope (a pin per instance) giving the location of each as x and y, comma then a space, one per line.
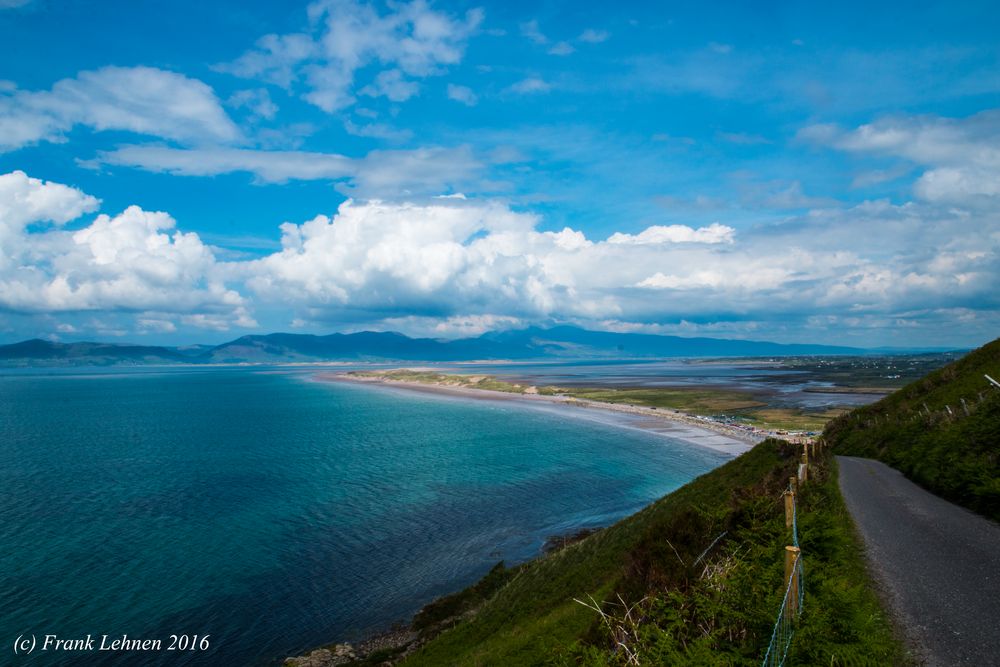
721, 614
956, 457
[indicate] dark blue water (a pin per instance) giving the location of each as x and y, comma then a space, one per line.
275, 513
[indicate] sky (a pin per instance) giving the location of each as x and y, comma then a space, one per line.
176, 172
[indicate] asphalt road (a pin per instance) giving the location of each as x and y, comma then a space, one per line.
939, 564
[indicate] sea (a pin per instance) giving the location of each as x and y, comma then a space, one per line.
249, 514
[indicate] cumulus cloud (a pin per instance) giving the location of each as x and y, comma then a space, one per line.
410, 41
962, 154
459, 258
133, 261
455, 264
714, 233
144, 100
25, 200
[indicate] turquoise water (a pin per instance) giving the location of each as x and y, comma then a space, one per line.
276, 513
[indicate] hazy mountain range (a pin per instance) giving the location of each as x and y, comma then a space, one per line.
531, 343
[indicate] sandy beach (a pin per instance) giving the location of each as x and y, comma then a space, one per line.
673, 424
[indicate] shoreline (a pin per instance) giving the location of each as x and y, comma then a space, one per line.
680, 426
402, 639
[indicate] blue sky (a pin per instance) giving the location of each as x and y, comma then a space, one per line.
173, 172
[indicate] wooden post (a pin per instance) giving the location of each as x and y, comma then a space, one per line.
789, 507
792, 579
965, 407
803, 472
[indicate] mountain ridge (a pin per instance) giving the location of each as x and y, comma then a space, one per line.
533, 343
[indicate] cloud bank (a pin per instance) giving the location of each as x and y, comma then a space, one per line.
466, 262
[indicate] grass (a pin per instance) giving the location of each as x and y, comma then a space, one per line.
790, 419
698, 401
690, 614
487, 382
950, 453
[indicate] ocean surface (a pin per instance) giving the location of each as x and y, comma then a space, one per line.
274, 512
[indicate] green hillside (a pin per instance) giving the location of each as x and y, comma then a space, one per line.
719, 611
925, 431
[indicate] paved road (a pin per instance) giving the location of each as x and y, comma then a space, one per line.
939, 563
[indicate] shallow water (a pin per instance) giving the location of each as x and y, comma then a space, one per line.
275, 513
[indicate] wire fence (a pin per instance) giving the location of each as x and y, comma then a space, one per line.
791, 602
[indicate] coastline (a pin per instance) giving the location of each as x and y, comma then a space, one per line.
401, 640
677, 425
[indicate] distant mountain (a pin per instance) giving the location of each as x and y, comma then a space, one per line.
531, 343
567, 341
50, 353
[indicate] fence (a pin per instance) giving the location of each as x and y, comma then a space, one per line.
792, 601
923, 412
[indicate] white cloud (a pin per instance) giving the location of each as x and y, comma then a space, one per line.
147, 324
401, 173
594, 36
143, 100
958, 183
963, 154
378, 131
529, 86
714, 233
411, 40
455, 326
458, 258
562, 49
462, 94
25, 200
132, 261
275, 60
257, 101
410, 173
452, 264
392, 85
531, 30
267, 166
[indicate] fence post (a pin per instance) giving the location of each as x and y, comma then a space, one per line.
804, 466
792, 483
965, 407
789, 506
792, 577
